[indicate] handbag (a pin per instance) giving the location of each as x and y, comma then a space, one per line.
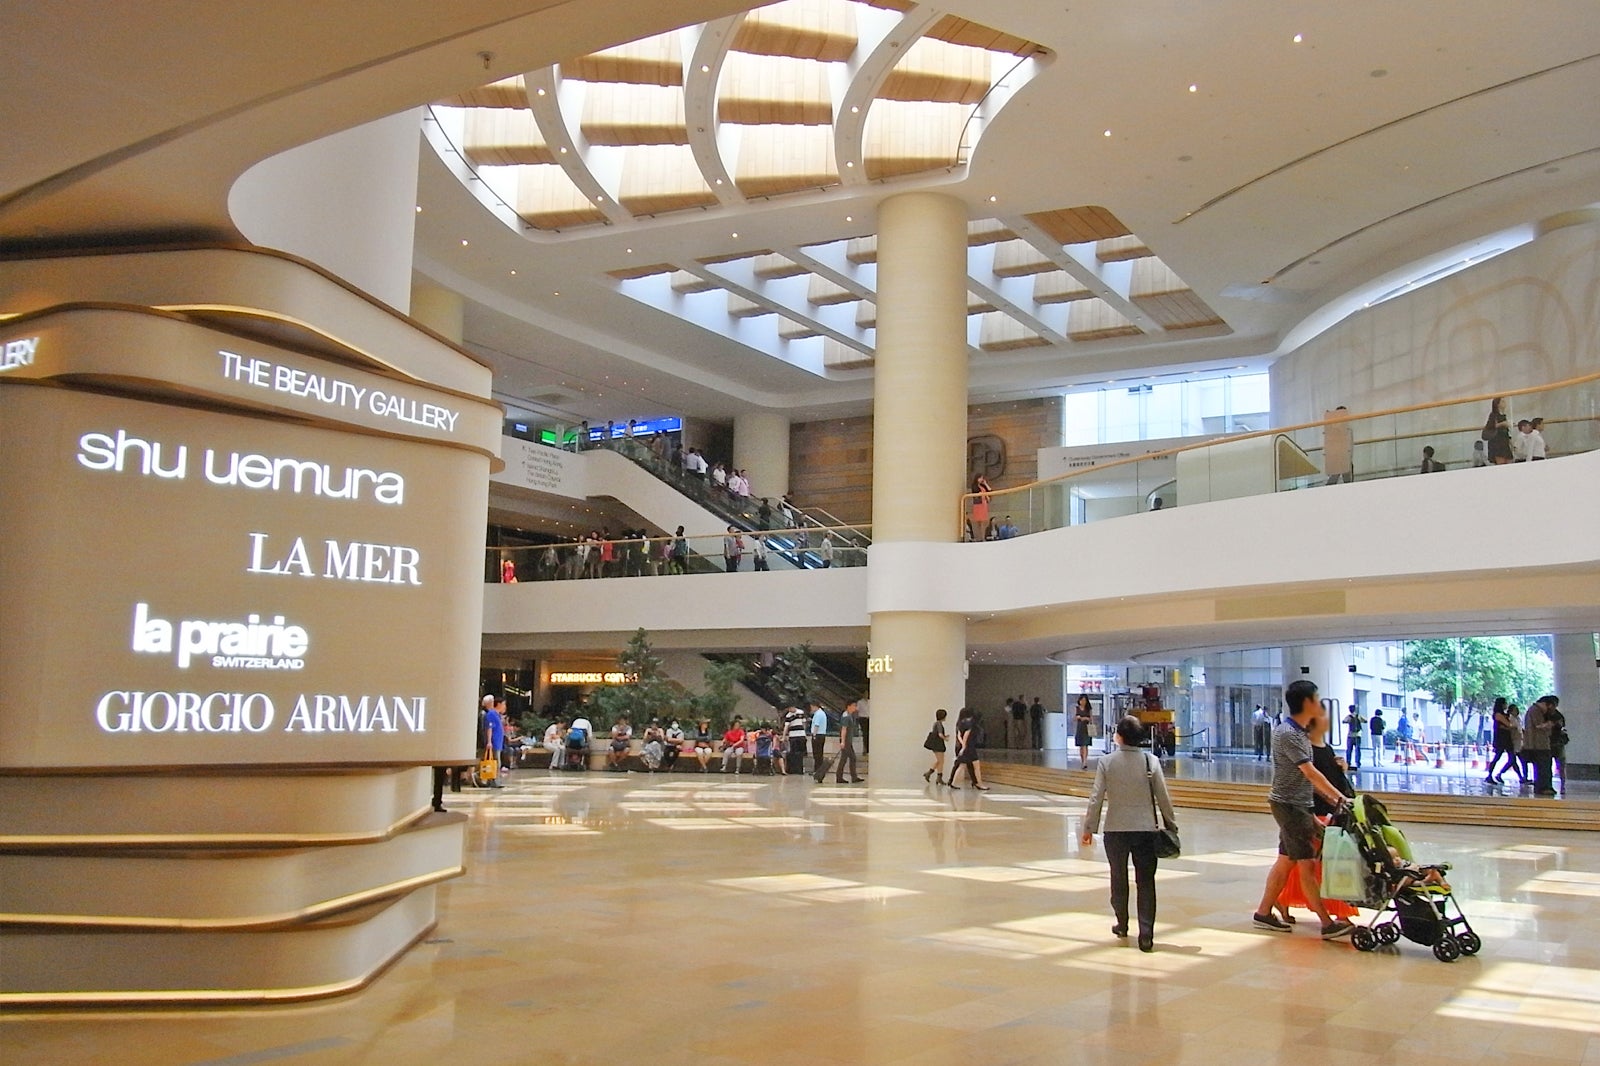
1168, 846
934, 742
489, 766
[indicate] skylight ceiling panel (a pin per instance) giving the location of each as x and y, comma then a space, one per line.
684, 283
1117, 249
938, 71
547, 199
791, 329
837, 356
655, 60
821, 292
802, 29
507, 92
739, 307
1079, 225
1002, 333
866, 315
981, 231
978, 305
773, 266
503, 137
1093, 320
621, 115
1019, 259
1164, 296
764, 90
779, 159
1058, 287
960, 31
906, 137
862, 250
657, 179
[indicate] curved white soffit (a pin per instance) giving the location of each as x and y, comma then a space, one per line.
702, 73
882, 40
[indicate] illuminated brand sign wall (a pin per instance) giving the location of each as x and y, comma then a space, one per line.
190, 587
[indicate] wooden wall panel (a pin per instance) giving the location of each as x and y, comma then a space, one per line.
830, 462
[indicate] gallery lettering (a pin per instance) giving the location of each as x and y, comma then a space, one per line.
125, 711
17, 354
230, 645
326, 713
121, 452
307, 385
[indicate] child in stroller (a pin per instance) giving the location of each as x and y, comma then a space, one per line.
1411, 899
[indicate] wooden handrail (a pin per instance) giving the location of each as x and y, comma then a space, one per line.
1581, 379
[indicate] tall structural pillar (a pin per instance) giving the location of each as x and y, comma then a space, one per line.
1578, 685
917, 658
761, 450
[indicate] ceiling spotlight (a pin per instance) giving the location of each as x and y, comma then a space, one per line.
992, 199
736, 235
719, 181
564, 147
629, 251
558, 293
1194, 88
849, 218
419, 209
1299, 37
513, 273
850, 162
541, 92
1107, 133
463, 242
705, 68
855, 109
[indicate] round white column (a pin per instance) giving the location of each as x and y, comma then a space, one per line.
761, 450
441, 310
346, 202
918, 463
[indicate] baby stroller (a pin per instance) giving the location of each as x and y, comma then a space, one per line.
1409, 900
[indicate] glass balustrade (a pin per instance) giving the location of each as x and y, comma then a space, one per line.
808, 548
1355, 447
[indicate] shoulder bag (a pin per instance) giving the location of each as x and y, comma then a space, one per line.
1168, 846
934, 742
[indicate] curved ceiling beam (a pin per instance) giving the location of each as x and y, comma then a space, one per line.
702, 72
550, 99
882, 38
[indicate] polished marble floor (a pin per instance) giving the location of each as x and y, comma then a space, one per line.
718, 921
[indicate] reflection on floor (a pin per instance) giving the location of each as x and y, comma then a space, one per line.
630, 919
1462, 773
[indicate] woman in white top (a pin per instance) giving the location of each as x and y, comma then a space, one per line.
1131, 780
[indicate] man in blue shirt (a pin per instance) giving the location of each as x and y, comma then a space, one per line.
1295, 782
494, 723
819, 739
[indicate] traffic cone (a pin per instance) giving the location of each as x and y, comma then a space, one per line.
1438, 762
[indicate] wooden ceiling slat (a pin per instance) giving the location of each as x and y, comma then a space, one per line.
960, 31
503, 137
507, 92
1079, 225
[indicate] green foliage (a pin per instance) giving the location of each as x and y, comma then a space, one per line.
652, 694
1466, 674
794, 676
719, 698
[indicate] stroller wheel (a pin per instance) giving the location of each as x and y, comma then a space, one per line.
1469, 942
1447, 949
1389, 934
1363, 938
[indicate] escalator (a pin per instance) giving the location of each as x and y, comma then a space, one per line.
793, 534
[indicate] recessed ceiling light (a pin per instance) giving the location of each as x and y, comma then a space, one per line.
719, 181
992, 199
736, 235
541, 92
1299, 37
558, 293
1194, 88
630, 251
855, 109
564, 147
513, 273
419, 209
1108, 133
463, 242
849, 218
850, 162
705, 69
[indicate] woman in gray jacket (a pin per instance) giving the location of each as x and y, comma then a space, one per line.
1130, 779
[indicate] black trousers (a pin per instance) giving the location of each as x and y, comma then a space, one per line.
847, 754
818, 742
1141, 848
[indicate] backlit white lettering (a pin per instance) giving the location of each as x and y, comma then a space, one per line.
17, 354
224, 642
